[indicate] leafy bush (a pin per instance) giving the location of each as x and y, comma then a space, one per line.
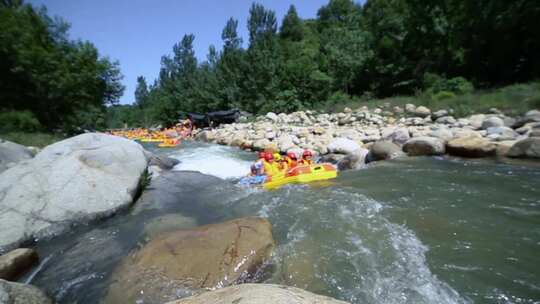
19, 121
443, 95
434, 84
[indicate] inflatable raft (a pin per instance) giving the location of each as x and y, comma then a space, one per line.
169, 144
301, 175
152, 139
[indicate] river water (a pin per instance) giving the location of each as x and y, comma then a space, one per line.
417, 230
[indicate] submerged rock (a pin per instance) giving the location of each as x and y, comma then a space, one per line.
259, 294
527, 148
167, 223
209, 256
12, 153
471, 146
17, 293
17, 262
76, 180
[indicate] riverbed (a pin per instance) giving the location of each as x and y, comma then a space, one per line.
416, 230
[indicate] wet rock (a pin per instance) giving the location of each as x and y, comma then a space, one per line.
343, 146
354, 160
167, 223
526, 148
383, 150
161, 161
17, 262
492, 122
209, 256
17, 293
504, 146
259, 294
73, 181
471, 146
12, 153
424, 146
206, 136
332, 158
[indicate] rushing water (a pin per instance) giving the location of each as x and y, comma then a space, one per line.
422, 230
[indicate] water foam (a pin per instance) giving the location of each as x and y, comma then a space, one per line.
223, 162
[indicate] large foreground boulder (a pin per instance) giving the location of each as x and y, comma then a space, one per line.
17, 293
527, 148
12, 153
259, 294
16, 262
471, 146
209, 256
424, 145
73, 181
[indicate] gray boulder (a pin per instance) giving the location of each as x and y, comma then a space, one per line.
501, 133
272, 116
439, 114
526, 148
531, 116
422, 111
17, 293
424, 146
383, 150
258, 294
73, 181
163, 162
12, 153
446, 120
492, 122
343, 146
398, 136
444, 134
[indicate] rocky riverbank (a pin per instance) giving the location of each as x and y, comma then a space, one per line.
91, 176
366, 135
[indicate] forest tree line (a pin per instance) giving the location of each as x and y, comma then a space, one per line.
379, 49
47, 81
376, 49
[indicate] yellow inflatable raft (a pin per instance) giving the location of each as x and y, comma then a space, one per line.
152, 139
169, 143
302, 174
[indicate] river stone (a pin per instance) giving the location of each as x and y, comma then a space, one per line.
439, 114
210, 256
384, 150
526, 148
206, 136
161, 161
446, 120
444, 134
504, 146
492, 122
259, 294
471, 146
531, 116
73, 181
332, 158
424, 146
476, 120
17, 262
422, 111
272, 116
12, 153
502, 133
17, 293
398, 136
343, 145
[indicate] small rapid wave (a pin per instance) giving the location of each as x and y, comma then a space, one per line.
221, 161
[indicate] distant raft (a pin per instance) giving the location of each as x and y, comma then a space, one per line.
169, 143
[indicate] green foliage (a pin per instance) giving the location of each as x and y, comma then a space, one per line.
19, 120
348, 54
47, 74
35, 139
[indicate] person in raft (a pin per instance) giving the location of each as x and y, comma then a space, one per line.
291, 159
271, 167
306, 158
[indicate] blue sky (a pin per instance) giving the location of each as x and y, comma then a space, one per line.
139, 32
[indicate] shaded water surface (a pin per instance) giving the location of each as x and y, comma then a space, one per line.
423, 230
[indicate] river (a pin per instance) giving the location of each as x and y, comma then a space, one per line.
417, 230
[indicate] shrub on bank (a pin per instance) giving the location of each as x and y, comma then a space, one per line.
18, 121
